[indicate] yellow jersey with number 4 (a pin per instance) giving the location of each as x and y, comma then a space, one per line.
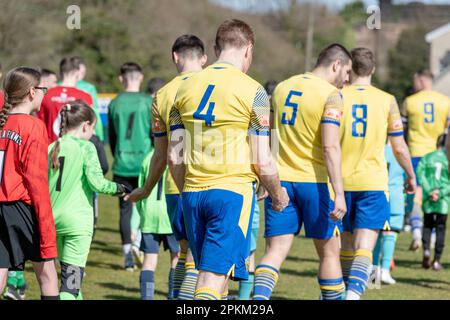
427, 115
370, 116
219, 107
162, 104
300, 104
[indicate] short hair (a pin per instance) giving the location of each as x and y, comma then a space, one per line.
79, 60
363, 61
47, 72
331, 53
68, 65
154, 84
189, 45
425, 73
270, 86
234, 33
440, 142
130, 71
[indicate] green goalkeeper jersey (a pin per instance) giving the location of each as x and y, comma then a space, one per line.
153, 210
90, 88
73, 184
433, 174
129, 132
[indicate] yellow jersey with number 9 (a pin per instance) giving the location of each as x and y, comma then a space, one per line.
370, 115
218, 108
300, 104
427, 115
162, 104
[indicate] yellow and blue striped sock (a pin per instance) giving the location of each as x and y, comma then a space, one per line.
187, 289
359, 272
266, 278
346, 264
332, 289
178, 276
205, 293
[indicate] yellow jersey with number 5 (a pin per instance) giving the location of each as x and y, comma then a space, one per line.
370, 116
427, 115
218, 108
300, 104
162, 104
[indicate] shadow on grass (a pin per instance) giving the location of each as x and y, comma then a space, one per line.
112, 251
424, 282
301, 259
137, 297
118, 286
105, 229
104, 265
305, 273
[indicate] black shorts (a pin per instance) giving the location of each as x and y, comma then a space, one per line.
150, 243
19, 235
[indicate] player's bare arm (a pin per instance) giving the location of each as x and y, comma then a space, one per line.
267, 172
332, 157
175, 157
157, 167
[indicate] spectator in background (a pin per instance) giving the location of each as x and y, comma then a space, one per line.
49, 79
90, 88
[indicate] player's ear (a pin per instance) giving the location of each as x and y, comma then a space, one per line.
175, 57
204, 59
32, 93
216, 51
121, 79
373, 71
335, 65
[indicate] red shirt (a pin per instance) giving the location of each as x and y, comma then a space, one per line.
2, 99
24, 175
52, 103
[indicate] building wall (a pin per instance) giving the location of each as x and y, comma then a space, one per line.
442, 83
438, 49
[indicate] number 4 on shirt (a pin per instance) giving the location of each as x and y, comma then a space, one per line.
208, 117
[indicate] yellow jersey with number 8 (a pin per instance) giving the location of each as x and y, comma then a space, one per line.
370, 115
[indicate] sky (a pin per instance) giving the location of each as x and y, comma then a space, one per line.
332, 4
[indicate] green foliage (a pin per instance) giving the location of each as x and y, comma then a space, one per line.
354, 13
409, 55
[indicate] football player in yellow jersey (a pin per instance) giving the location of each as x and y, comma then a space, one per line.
188, 55
225, 144
426, 114
370, 117
306, 115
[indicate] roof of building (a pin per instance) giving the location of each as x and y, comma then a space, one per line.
436, 33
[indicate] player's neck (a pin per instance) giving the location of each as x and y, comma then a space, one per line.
22, 108
323, 74
231, 57
362, 81
69, 82
133, 87
189, 66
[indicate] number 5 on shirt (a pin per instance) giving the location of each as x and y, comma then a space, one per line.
208, 117
292, 105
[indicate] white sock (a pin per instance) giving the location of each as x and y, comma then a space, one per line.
351, 295
417, 234
126, 248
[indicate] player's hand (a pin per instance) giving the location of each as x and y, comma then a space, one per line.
122, 190
262, 193
435, 195
280, 200
410, 185
340, 208
136, 195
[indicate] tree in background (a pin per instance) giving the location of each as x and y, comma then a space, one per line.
409, 55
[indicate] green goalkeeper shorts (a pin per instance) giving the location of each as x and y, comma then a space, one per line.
74, 249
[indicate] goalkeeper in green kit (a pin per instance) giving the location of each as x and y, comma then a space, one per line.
433, 175
74, 175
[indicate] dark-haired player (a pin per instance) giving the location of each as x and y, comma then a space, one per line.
129, 137
188, 54
307, 111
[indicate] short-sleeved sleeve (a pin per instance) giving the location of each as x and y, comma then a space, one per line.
175, 119
404, 111
395, 125
333, 109
159, 127
260, 114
